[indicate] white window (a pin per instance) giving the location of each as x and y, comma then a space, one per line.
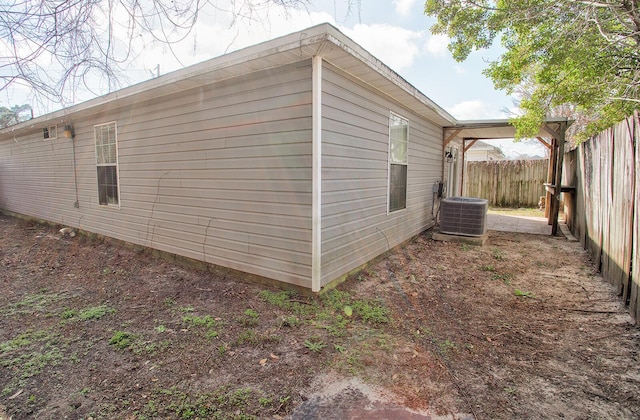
398, 146
107, 163
50, 133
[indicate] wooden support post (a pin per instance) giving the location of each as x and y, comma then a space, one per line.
463, 165
473, 141
550, 174
544, 143
452, 136
558, 178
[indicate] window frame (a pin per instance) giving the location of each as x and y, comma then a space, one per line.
116, 164
392, 161
47, 132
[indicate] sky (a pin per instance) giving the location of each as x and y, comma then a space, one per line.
395, 31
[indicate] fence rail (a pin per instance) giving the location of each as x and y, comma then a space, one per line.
507, 183
603, 213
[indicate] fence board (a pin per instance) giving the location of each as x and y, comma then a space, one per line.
634, 293
507, 183
621, 215
605, 201
605, 215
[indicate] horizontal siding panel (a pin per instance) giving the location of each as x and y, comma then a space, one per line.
229, 122
252, 197
355, 223
355, 208
246, 216
206, 142
252, 182
341, 184
211, 177
259, 209
209, 160
340, 195
270, 132
356, 133
262, 83
221, 173
226, 115
240, 102
335, 147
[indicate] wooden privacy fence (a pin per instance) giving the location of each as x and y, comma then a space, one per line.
602, 213
507, 183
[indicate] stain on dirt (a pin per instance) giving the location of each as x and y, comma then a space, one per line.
341, 398
520, 328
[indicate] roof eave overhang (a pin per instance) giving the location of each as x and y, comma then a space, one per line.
324, 40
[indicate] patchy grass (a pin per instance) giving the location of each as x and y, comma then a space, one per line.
148, 339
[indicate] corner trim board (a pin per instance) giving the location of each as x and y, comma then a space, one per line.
316, 212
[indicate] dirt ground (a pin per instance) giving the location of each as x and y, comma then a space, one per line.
520, 328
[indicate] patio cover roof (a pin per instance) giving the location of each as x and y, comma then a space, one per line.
552, 129
500, 129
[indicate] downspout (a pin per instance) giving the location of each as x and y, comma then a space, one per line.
316, 174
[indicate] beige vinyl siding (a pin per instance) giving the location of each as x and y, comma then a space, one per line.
355, 145
220, 173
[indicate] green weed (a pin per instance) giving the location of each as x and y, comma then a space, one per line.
31, 352
521, 293
37, 302
285, 300
95, 312
174, 403
206, 323
247, 337
314, 346
69, 313
446, 346
371, 311
122, 339
336, 299
290, 321
250, 318
505, 278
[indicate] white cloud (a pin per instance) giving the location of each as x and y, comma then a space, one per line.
403, 6
222, 34
395, 46
473, 110
459, 69
437, 45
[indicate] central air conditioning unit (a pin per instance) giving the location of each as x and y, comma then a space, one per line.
465, 216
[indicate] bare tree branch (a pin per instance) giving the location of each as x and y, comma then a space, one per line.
58, 47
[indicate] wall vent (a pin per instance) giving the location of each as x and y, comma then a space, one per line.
466, 216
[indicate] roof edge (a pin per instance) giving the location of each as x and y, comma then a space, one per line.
316, 36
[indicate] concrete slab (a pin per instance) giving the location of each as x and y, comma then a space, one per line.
469, 240
519, 224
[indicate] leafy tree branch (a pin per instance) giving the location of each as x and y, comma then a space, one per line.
580, 53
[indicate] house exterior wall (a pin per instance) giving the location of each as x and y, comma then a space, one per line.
220, 173
355, 152
483, 152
